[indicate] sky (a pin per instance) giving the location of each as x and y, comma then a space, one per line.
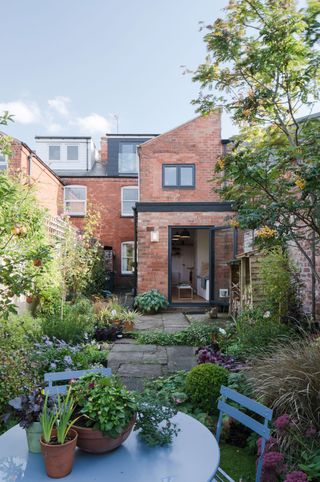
68, 67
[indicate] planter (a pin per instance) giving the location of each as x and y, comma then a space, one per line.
95, 442
58, 459
128, 326
34, 433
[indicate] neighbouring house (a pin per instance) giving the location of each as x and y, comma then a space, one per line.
48, 187
183, 240
107, 183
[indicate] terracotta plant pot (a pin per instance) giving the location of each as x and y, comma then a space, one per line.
128, 326
58, 459
34, 433
95, 442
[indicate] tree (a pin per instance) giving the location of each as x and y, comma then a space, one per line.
264, 59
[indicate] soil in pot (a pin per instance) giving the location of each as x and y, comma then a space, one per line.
58, 458
95, 442
34, 433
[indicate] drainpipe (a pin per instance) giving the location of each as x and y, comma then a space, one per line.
313, 278
135, 288
87, 154
30, 165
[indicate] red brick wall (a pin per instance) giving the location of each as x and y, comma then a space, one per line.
104, 195
48, 187
305, 273
196, 142
153, 257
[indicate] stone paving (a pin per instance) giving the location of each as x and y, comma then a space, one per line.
134, 363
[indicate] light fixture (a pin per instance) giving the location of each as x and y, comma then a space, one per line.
154, 236
185, 234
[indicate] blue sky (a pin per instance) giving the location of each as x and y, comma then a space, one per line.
69, 66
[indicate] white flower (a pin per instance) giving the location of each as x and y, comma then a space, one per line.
113, 312
222, 331
267, 314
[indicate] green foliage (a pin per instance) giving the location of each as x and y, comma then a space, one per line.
238, 381
150, 302
48, 419
256, 329
65, 420
196, 334
71, 322
17, 375
105, 401
154, 420
280, 284
238, 462
311, 464
24, 248
203, 384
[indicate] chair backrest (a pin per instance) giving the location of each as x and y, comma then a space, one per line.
67, 376
261, 428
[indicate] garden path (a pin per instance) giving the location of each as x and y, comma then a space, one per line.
134, 363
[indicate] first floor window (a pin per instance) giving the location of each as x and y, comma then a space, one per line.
3, 162
128, 158
54, 153
75, 200
127, 257
129, 197
178, 175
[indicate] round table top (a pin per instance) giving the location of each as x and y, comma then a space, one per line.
193, 456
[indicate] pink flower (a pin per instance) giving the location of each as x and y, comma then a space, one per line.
273, 460
282, 422
296, 476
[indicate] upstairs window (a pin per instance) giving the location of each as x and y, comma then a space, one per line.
3, 162
129, 197
75, 200
128, 158
72, 153
178, 175
54, 153
127, 257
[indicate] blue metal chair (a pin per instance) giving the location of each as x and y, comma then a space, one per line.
261, 429
67, 376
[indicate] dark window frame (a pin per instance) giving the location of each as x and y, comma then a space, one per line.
178, 185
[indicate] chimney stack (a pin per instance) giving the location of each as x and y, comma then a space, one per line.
104, 150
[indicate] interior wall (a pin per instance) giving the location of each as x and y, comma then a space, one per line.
202, 261
181, 263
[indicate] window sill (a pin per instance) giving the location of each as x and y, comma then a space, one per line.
177, 187
75, 215
127, 274
129, 216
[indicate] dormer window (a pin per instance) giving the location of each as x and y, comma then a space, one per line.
72, 153
128, 158
54, 153
75, 200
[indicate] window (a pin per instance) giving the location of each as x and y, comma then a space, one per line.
129, 197
178, 175
54, 153
3, 162
127, 257
72, 153
75, 200
128, 158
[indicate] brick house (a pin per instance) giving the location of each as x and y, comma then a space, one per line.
107, 183
183, 241
48, 187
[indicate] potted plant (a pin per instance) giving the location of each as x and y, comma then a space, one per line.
129, 318
27, 408
58, 441
107, 412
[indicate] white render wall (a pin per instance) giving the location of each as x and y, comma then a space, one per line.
86, 153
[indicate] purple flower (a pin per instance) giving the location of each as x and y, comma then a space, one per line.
311, 432
296, 476
53, 365
282, 422
68, 360
273, 460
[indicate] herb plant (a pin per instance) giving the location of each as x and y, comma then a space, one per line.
196, 334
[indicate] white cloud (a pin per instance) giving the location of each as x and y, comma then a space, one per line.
60, 105
92, 124
23, 112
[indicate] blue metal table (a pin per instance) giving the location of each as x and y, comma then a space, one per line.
192, 457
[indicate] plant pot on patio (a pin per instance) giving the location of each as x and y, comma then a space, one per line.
95, 442
58, 458
34, 433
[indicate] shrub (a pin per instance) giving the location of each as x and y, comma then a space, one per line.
195, 334
57, 355
288, 380
256, 329
209, 354
71, 322
203, 384
150, 302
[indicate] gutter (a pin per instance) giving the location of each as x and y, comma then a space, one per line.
135, 287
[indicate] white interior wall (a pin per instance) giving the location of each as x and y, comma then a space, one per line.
201, 258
